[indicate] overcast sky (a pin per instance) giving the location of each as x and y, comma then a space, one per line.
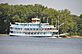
75, 6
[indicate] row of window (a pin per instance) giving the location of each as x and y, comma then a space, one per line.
16, 28
33, 28
31, 32
28, 24
39, 29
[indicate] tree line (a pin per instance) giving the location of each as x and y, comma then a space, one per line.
24, 13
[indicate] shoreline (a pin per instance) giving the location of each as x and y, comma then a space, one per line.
62, 37
73, 37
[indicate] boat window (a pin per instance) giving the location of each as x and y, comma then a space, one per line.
36, 28
55, 32
25, 32
11, 27
30, 28
26, 29
18, 28
28, 32
16, 24
45, 28
34, 32
11, 31
30, 24
37, 32
44, 32
50, 28
33, 24
42, 28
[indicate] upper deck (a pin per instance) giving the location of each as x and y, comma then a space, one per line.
32, 25
35, 25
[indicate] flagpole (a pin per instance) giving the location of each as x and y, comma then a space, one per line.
58, 26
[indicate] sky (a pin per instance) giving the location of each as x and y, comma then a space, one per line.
75, 6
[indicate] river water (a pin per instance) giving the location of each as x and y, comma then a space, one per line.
34, 45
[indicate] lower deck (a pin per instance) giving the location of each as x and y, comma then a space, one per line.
34, 34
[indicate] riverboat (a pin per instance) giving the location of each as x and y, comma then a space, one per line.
35, 28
